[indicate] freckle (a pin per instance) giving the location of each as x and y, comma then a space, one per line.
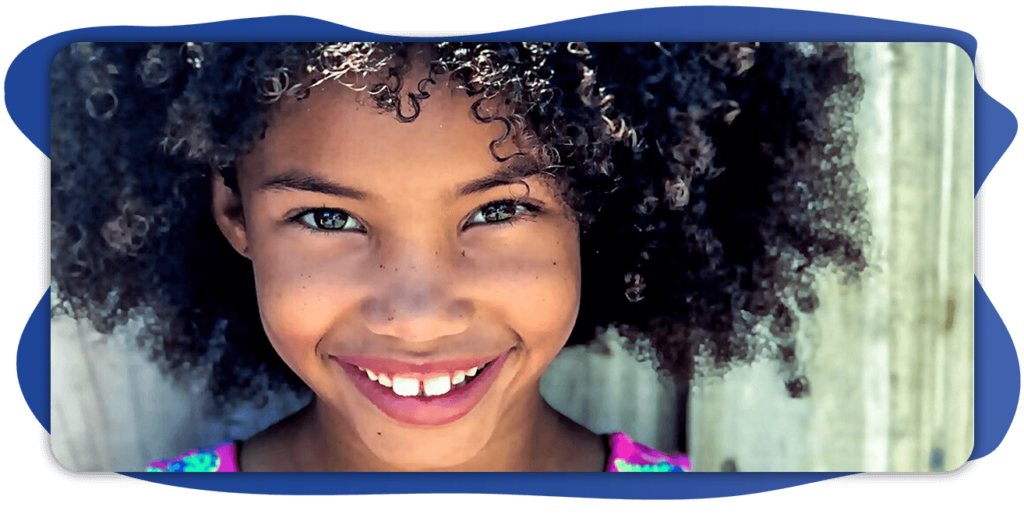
381, 266
378, 433
463, 253
392, 318
554, 264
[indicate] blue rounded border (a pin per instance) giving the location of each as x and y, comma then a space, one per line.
997, 370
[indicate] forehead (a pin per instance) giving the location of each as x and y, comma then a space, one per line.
341, 132
357, 102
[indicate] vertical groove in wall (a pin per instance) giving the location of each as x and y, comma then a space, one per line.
876, 166
940, 365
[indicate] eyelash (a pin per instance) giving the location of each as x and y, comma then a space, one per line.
529, 210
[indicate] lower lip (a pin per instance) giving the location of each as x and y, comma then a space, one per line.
426, 410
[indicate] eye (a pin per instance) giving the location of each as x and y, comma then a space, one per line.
331, 220
499, 212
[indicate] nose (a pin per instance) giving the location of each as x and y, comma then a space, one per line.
418, 298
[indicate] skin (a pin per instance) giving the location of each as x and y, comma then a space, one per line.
412, 278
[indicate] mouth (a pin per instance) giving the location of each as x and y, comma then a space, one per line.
429, 394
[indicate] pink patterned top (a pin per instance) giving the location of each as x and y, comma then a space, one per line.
625, 455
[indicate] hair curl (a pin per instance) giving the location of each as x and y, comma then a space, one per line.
709, 180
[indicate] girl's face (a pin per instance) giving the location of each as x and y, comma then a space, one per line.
416, 284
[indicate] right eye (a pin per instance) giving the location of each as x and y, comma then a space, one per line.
329, 220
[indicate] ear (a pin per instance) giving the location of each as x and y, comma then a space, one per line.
227, 212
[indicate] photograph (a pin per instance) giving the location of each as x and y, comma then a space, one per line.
461, 256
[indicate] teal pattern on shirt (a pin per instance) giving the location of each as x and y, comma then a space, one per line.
622, 465
200, 461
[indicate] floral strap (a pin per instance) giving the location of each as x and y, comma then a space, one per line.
628, 455
216, 458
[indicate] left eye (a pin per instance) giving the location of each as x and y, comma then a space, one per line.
498, 212
330, 220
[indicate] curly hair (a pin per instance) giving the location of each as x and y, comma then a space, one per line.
710, 181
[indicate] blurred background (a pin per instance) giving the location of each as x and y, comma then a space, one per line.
890, 360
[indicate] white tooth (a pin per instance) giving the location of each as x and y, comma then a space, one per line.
372, 375
437, 386
458, 377
384, 380
361, 368
471, 372
404, 386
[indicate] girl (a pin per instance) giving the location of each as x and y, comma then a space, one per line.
413, 232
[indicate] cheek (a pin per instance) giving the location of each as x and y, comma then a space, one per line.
550, 306
301, 292
538, 287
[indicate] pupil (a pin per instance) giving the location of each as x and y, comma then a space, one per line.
499, 212
331, 219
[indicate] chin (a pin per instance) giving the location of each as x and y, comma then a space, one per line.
423, 454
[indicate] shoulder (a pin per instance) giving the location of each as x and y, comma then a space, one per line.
628, 455
220, 457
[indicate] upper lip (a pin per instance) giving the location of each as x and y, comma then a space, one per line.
406, 368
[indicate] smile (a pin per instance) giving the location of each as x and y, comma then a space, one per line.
423, 394
433, 386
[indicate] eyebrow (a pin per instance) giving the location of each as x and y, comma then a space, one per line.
509, 174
